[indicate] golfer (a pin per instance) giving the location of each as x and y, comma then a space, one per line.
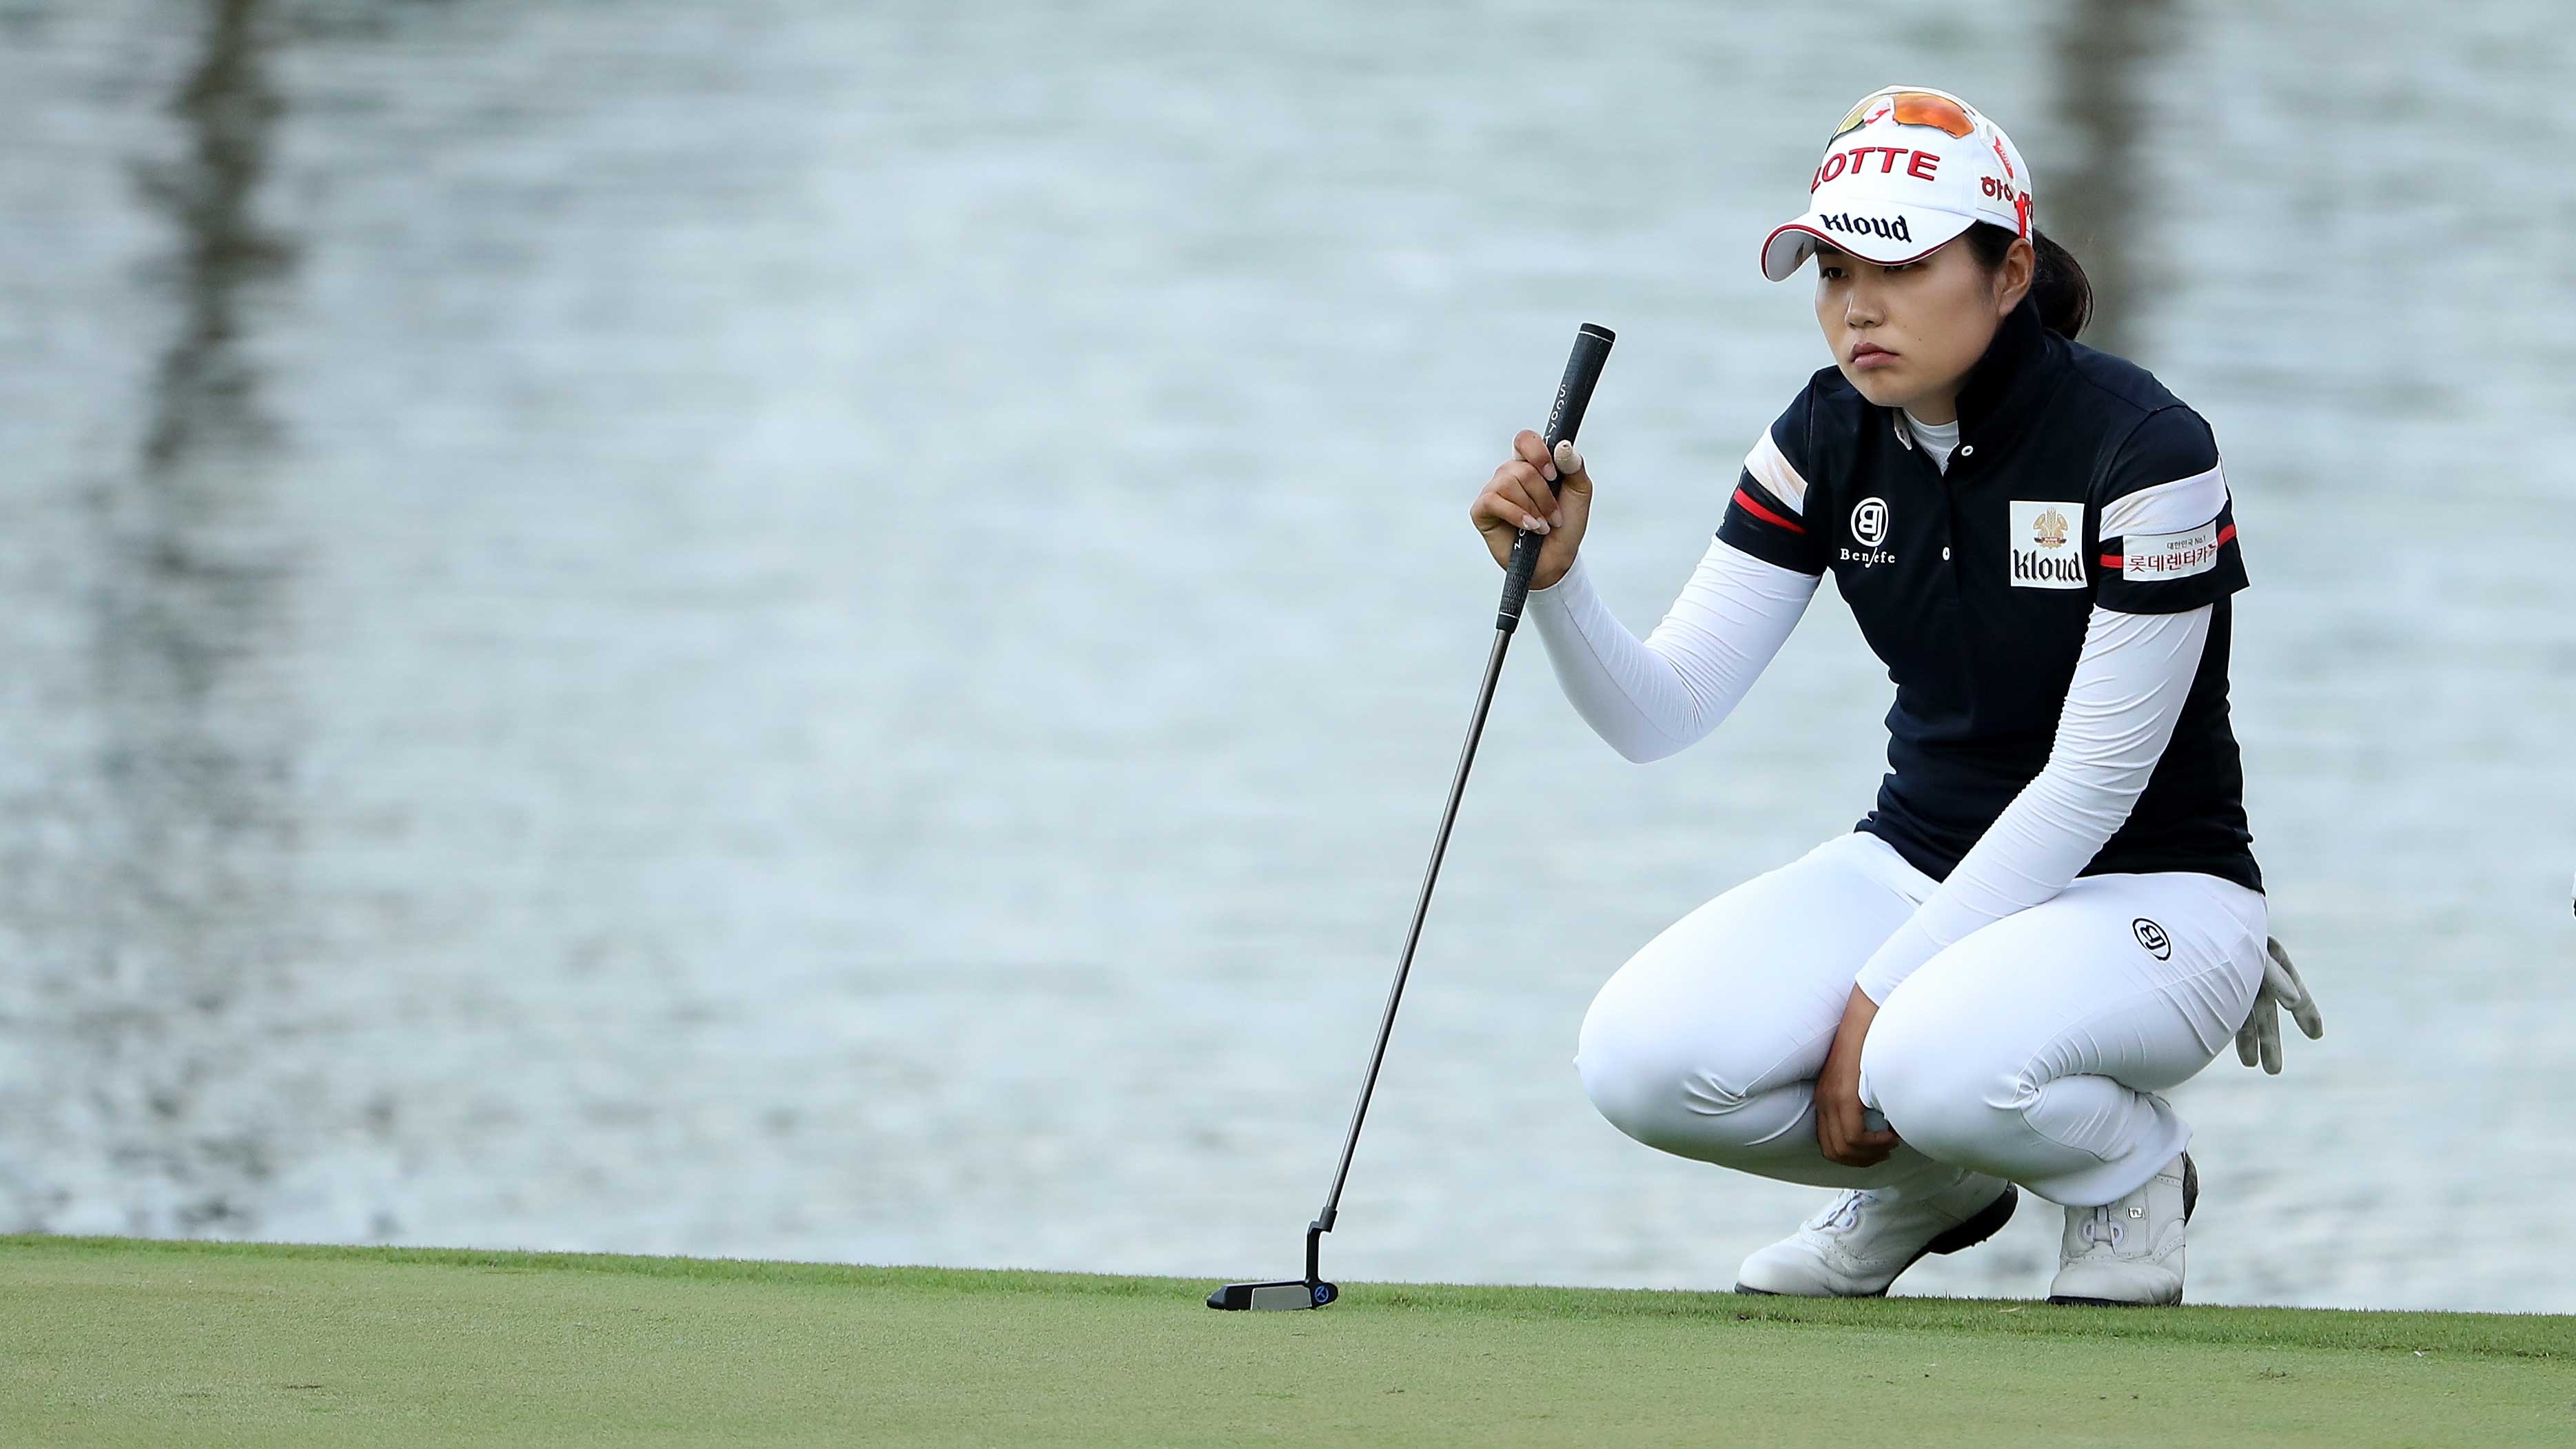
2052, 914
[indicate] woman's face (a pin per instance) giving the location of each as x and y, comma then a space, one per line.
1905, 336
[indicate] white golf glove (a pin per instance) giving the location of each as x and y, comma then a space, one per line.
2259, 1039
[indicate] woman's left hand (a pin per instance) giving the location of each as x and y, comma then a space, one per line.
1841, 1126
2259, 1040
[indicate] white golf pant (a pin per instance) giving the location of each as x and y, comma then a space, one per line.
2031, 1050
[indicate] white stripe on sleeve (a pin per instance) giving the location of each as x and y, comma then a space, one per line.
1771, 468
2171, 507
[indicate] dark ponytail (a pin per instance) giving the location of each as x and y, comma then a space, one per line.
2064, 295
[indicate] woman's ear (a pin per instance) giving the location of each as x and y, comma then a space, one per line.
2013, 278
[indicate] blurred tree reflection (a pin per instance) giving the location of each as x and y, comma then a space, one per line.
193, 753
2103, 50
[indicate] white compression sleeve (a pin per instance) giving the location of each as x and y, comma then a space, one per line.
1653, 697
2128, 692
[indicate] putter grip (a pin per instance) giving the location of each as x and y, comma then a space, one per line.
1582, 369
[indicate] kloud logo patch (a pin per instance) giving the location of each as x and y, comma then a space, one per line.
1868, 226
2047, 544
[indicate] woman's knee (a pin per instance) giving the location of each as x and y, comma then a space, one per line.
1659, 1075
1696, 1034
1937, 1091
1627, 1061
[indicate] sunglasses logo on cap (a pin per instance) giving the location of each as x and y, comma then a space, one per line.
1911, 108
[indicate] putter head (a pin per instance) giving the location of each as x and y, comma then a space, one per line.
1295, 1293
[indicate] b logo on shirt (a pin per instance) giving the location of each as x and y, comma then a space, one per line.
1869, 522
2153, 938
2039, 536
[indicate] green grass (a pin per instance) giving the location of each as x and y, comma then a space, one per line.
108, 1341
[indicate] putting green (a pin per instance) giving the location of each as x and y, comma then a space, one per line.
119, 1342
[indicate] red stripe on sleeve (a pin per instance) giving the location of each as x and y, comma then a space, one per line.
2227, 533
2112, 561
1765, 514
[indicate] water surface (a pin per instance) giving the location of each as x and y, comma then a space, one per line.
836, 631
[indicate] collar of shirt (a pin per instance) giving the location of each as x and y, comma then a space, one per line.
2007, 382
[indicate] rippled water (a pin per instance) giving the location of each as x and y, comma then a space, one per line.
798, 629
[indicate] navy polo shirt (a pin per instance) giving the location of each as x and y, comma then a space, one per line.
1974, 586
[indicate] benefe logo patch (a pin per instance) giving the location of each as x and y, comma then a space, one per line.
2170, 555
1869, 530
1869, 522
2047, 545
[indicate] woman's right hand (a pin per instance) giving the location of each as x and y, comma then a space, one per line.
1550, 496
1842, 1122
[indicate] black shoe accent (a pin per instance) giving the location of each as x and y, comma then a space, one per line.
1989, 1221
2064, 1301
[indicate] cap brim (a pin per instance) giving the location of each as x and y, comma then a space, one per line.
1926, 232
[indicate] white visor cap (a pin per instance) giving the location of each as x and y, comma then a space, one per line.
1909, 171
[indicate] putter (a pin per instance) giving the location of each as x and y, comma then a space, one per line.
1582, 370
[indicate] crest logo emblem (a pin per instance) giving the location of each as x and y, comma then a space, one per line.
2041, 530
1869, 522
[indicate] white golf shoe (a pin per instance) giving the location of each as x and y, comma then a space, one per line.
1862, 1240
2129, 1252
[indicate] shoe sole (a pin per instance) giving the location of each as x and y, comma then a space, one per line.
2190, 1200
2067, 1300
1988, 1221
